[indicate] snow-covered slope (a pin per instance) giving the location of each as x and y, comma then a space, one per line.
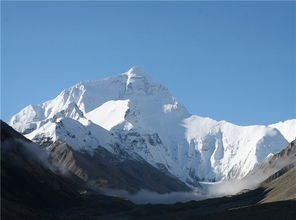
109, 114
131, 114
287, 128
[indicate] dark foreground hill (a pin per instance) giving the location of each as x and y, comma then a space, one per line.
34, 187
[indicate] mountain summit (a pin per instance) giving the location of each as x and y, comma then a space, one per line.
135, 72
132, 116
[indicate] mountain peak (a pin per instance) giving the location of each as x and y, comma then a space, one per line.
136, 71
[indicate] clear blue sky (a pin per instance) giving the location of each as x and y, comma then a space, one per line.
233, 61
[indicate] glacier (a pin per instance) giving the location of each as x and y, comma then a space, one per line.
131, 114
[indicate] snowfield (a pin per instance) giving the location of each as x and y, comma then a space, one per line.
109, 114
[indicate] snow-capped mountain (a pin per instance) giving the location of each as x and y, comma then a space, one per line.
130, 114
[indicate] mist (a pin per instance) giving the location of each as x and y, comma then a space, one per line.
249, 182
148, 197
231, 187
207, 191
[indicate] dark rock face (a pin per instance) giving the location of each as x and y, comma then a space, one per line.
104, 169
281, 185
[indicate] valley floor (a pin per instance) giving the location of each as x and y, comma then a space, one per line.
103, 208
